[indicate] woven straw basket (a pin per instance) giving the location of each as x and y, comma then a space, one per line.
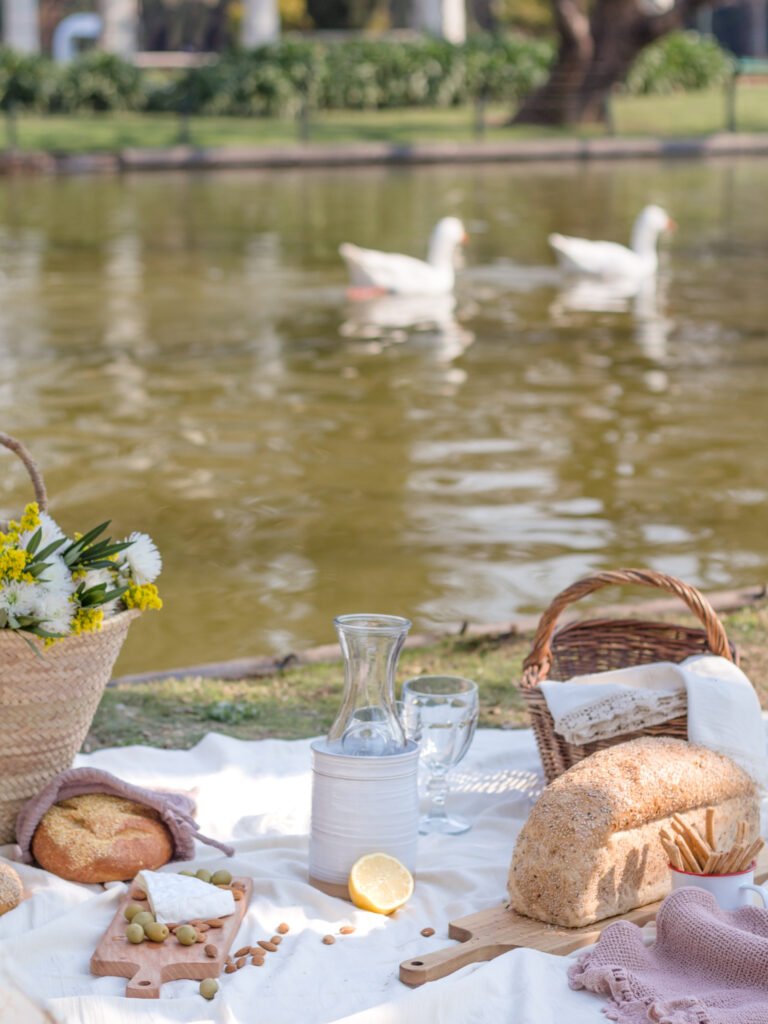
597, 645
47, 702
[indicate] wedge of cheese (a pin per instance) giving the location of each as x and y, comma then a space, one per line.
178, 898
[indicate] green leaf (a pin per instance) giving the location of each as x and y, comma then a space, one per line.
91, 536
50, 549
34, 541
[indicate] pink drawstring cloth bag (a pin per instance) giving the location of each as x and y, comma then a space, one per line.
175, 810
707, 966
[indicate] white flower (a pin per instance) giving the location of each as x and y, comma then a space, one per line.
51, 531
57, 578
17, 599
142, 558
55, 610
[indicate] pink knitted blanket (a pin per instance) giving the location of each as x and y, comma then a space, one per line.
708, 966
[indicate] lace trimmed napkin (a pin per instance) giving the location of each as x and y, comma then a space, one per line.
723, 709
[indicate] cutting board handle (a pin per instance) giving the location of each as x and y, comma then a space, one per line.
145, 984
422, 969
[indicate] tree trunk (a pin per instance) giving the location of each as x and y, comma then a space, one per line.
596, 51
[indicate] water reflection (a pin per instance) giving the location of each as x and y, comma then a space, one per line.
399, 318
642, 299
178, 354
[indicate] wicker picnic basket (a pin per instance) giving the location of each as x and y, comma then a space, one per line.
47, 699
597, 645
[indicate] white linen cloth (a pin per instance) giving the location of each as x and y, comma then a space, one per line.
258, 794
723, 709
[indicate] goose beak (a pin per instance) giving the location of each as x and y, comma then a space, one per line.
671, 225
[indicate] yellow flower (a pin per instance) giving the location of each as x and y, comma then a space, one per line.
143, 598
31, 518
13, 563
87, 620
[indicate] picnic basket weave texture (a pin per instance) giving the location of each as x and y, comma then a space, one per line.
47, 699
599, 645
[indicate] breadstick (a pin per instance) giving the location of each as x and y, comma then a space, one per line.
710, 826
688, 857
692, 839
719, 862
733, 858
709, 867
741, 832
752, 851
674, 855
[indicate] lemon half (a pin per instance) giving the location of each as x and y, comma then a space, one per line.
380, 883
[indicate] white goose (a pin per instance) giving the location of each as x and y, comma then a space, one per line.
609, 259
377, 273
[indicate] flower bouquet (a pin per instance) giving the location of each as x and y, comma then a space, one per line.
52, 586
65, 607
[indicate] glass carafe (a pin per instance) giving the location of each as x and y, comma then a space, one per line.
367, 724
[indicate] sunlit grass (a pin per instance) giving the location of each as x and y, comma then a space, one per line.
303, 701
686, 114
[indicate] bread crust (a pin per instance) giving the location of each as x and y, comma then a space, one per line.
11, 889
100, 838
590, 848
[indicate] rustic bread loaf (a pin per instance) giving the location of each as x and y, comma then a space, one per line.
11, 889
100, 838
590, 848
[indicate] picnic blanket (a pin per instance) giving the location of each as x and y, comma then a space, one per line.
256, 795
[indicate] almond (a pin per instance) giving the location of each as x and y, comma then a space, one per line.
230, 969
328, 940
240, 962
215, 923
269, 946
242, 952
347, 929
276, 940
427, 932
211, 951
283, 928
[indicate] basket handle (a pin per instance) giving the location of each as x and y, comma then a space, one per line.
537, 664
31, 466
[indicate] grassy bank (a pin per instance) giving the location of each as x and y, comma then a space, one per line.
682, 114
303, 701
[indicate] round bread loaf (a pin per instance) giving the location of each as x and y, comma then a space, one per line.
100, 838
11, 889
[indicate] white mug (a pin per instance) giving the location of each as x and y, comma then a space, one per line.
730, 891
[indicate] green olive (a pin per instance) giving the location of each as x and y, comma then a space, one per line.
156, 932
221, 877
134, 933
203, 875
191, 874
208, 988
143, 918
186, 935
132, 910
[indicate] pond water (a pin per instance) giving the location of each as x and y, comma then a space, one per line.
178, 353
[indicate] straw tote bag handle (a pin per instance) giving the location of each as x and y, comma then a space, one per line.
537, 664
41, 497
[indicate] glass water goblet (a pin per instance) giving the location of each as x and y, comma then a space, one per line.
440, 714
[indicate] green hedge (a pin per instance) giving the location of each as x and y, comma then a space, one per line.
680, 62
358, 74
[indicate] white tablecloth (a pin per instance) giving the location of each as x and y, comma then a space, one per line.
259, 794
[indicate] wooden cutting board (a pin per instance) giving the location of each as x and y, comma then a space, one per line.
489, 933
149, 964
